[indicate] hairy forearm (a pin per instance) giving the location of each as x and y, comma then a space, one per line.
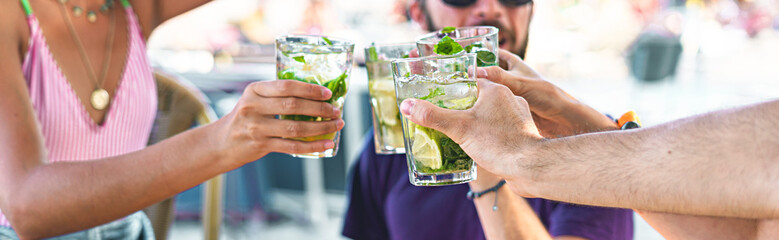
58, 198
676, 226
724, 163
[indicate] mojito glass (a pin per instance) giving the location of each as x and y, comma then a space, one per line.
448, 82
319, 60
481, 40
387, 129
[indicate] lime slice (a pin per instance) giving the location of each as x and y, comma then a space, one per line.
462, 103
388, 109
425, 148
382, 86
329, 136
384, 92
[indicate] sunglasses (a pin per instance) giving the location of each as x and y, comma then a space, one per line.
467, 3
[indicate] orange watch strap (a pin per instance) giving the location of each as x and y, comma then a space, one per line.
629, 116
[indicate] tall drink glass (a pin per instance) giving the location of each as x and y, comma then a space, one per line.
387, 129
448, 82
481, 40
319, 60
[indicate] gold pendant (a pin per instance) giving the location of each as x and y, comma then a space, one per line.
100, 99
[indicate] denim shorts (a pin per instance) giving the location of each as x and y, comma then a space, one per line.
134, 227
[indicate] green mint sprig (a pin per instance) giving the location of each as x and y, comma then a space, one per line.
440, 104
470, 47
327, 40
448, 30
300, 59
485, 58
447, 46
434, 93
337, 86
372, 55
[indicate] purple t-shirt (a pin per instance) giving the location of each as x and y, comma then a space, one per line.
384, 205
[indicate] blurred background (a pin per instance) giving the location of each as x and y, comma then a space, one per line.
665, 59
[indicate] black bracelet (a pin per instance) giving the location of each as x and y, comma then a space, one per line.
474, 195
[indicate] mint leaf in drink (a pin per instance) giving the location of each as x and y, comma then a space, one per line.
337, 86
448, 29
300, 59
408, 74
470, 47
372, 55
327, 40
447, 46
452, 152
440, 104
485, 57
405, 56
434, 93
287, 74
298, 118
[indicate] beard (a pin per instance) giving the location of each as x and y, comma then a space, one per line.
505, 32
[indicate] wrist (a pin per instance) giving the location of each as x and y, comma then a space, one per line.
532, 168
213, 144
483, 180
481, 184
476, 194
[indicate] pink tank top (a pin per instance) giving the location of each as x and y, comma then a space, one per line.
70, 133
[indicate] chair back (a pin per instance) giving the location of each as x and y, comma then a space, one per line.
181, 106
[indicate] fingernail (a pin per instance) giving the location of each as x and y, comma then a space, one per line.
340, 123
336, 111
406, 106
481, 72
329, 144
326, 93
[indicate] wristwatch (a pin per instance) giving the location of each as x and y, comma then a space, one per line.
629, 120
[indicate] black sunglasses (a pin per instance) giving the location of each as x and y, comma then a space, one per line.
467, 3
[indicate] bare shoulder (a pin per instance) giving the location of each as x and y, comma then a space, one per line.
146, 10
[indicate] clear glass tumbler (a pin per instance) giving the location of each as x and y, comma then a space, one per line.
448, 82
481, 40
319, 60
387, 129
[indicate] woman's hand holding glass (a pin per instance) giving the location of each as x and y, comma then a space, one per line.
252, 129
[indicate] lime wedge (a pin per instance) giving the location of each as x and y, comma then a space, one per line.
384, 93
382, 86
462, 103
328, 136
425, 148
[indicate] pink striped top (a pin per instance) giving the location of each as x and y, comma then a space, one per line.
70, 133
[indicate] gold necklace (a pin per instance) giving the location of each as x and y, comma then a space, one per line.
100, 97
91, 15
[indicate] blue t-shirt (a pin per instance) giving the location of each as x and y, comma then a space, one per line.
384, 205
